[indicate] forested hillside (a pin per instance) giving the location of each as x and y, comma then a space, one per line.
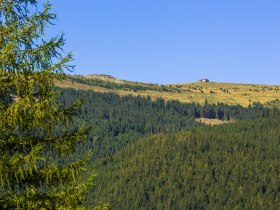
74, 142
232, 166
119, 120
152, 154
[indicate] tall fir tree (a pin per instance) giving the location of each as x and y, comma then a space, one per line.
33, 170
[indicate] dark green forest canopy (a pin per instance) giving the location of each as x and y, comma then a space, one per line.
153, 155
233, 166
119, 120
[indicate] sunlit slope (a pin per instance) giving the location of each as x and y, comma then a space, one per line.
228, 93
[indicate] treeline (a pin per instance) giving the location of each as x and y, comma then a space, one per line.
119, 120
143, 162
137, 86
234, 166
108, 106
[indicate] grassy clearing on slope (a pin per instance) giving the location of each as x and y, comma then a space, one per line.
207, 121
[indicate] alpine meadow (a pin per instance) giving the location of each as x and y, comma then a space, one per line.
74, 141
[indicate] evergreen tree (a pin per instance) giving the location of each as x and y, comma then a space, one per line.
36, 169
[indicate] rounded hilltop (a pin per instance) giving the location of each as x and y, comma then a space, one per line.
107, 76
104, 77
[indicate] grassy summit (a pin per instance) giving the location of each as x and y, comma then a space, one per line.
228, 93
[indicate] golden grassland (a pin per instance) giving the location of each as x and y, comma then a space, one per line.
227, 93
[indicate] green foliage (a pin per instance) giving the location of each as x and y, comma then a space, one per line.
118, 121
135, 143
32, 173
140, 171
234, 166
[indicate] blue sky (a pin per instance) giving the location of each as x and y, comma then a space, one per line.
173, 41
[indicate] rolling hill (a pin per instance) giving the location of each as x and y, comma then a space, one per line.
227, 93
154, 154
234, 166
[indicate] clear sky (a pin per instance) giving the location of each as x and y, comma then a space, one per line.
173, 41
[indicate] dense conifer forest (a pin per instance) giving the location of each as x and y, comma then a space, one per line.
232, 166
119, 120
79, 149
152, 154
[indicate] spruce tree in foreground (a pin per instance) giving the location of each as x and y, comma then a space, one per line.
34, 137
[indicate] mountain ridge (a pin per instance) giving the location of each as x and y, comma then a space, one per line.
114, 78
199, 92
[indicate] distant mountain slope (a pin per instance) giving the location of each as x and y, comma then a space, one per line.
228, 93
151, 154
